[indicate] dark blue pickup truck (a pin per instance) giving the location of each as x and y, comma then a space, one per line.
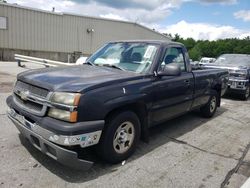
238, 66
110, 101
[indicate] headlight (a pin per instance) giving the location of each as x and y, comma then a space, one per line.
71, 99
59, 110
63, 114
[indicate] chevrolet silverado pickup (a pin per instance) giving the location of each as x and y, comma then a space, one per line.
238, 66
110, 101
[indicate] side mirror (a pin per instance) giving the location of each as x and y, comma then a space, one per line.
170, 70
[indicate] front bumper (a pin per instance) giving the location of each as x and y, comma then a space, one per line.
83, 140
237, 86
64, 156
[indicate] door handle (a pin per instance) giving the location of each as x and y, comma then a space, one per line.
187, 82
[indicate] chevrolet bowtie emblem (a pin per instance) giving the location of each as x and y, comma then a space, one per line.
24, 95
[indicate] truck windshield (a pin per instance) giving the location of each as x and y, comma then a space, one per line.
128, 56
233, 60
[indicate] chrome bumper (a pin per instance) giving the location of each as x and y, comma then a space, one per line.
62, 155
83, 140
238, 84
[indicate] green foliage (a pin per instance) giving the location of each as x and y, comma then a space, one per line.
194, 54
200, 48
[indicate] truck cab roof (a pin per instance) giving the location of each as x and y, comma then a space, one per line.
159, 42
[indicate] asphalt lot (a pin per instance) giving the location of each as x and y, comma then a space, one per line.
189, 151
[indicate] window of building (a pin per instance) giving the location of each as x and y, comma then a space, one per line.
3, 22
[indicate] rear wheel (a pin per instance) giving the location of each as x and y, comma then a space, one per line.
210, 108
120, 137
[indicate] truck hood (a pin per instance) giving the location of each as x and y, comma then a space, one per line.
75, 78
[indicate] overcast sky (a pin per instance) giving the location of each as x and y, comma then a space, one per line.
199, 19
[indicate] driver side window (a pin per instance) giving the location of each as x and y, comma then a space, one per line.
173, 56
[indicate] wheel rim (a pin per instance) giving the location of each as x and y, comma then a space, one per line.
124, 137
213, 104
247, 92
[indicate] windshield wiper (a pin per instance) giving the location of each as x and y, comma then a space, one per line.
113, 66
89, 63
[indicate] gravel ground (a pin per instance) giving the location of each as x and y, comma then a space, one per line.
189, 151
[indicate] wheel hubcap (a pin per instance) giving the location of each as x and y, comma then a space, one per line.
213, 104
124, 137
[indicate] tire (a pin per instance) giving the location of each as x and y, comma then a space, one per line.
120, 137
246, 94
210, 108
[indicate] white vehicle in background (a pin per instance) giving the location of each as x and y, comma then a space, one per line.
206, 60
194, 64
81, 60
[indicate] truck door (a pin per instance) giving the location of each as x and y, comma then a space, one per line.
174, 94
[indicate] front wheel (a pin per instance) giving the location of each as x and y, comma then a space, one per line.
120, 137
210, 108
247, 93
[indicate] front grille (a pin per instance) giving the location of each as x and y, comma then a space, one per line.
32, 89
29, 104
24, 95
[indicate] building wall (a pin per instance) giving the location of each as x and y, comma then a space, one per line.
8, 55
35, 30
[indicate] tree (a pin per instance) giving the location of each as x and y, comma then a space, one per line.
247, 38
205, 48
189, 43
177, 37
194, 54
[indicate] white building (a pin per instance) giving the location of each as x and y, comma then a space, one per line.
54, 35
